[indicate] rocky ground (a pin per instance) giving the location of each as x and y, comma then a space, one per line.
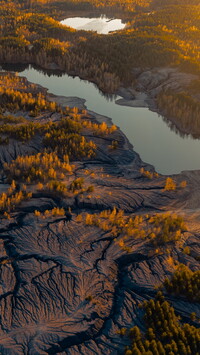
69, 288
149, 83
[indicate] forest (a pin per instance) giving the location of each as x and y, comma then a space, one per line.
184, 283
165, 335
61, 142
167, 36
181, 108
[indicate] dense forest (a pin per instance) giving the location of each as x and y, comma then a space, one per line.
165, 334
127, 6
162, 37
184, 283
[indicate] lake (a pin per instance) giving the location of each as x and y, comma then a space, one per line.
149, 134
100, 24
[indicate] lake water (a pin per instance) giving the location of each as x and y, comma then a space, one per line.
100, 24
149, 134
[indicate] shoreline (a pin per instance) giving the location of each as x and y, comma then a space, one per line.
72, 101
141, 100
130, 97
143, 94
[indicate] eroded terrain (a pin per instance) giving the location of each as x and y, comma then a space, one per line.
69, 285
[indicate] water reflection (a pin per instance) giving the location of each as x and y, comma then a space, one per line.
15, 67
21, 68
173, 127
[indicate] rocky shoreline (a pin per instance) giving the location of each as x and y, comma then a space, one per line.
149, 84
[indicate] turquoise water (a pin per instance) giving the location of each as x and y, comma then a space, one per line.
149, 134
